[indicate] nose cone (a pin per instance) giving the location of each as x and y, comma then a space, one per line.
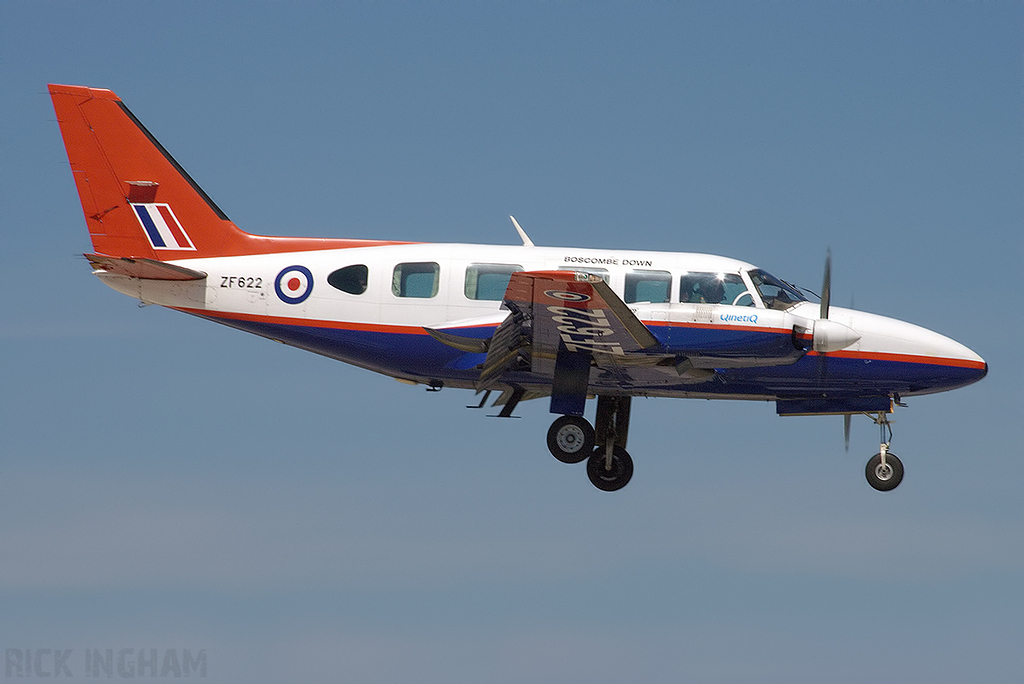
922, 360
963, 366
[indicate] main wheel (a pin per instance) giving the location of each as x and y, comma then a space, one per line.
613, 478
571, 439
884, 477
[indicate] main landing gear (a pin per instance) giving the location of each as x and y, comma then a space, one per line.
884, 471
571, 439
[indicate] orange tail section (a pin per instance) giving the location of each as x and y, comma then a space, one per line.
138, 201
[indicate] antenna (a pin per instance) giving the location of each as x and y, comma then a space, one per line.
527, 242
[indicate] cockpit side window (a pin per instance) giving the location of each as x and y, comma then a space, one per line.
775, 293
714, 288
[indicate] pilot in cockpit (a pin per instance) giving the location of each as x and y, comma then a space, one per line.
712, 291
701, 289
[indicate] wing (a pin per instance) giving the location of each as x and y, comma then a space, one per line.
561, 324
578, 311
569, 332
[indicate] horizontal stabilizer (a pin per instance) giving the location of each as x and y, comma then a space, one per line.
147, 269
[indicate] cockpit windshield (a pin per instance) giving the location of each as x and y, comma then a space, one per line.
775, 293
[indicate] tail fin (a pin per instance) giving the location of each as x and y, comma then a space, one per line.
138, 201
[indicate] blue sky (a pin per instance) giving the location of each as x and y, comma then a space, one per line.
168, 483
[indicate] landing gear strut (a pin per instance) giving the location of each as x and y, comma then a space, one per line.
571, 439
884, 471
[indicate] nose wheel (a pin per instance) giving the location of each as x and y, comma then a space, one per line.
884, 471
884, 475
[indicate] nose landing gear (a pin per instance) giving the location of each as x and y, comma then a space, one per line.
884, 471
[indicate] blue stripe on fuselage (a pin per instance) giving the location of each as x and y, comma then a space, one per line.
409, 354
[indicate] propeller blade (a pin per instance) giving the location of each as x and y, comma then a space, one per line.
847, 418
826, 286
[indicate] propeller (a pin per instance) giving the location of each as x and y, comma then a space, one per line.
826, 285
821, 325
829, 335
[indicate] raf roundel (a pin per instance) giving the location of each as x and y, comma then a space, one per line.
294, 284
567, 296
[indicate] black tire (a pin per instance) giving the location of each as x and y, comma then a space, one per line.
571, 439
886, 479
610, 480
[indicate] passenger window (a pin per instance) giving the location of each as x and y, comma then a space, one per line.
416, 280
489, 281
648, 286
714, 288
351, 279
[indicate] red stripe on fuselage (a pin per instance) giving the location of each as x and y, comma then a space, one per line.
307, 322
905, 358
716, 326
